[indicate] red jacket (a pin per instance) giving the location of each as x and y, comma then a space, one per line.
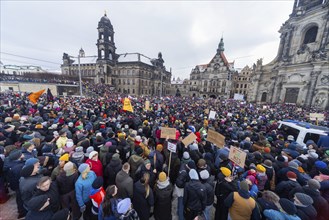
96, 166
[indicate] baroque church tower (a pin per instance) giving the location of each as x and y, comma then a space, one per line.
299, 74
106, 56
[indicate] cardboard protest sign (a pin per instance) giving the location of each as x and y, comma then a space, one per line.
216, 138
238, 156
212, 115
314, 116
147, 105
172, 147
189, 139
206, 111
299, 109
168, 132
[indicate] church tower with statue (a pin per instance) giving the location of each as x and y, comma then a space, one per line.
299, 74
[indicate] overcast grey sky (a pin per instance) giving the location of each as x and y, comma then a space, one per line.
186, 32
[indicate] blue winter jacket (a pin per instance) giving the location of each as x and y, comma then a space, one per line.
83, 187
271, 214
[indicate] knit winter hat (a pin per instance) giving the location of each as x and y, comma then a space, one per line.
64, 157
89, 150
204, 174
293, 164
320, 164
226, 171
291, 175
159, 147
260, 168
83, 167
244, 185
306, 200
15, 154
147, 161
31, 161
27, 171
193, 174
267, 150
288, 206
98, 182
191, 164
27, 145
186, 155
313, 184
268, 163
92, 154
124, 205
69, 168
162, 176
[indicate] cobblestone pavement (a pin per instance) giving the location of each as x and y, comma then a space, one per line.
8, 211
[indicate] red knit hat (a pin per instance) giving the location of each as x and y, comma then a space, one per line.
291, 175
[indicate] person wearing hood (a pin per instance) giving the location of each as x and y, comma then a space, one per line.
146, 168
112, 169
305, 209
241, 205
288, 211
39, 208
162, 198
224, 186
12, 168
136, 160
82, 189
143, 198
195, 196
285, 188
29, 179
208, 182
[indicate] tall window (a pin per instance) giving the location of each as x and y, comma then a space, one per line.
310, 35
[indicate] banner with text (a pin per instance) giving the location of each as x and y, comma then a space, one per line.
216, 138
168, 132
238, 156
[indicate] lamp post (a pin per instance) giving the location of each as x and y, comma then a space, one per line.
81, 54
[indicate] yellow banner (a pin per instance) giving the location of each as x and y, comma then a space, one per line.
127, 105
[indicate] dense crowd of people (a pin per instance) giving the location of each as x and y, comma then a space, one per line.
39, 78
88, 158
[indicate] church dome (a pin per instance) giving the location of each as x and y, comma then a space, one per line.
105, 19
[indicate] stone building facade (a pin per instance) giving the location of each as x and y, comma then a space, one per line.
180, 87
242, 81
130, 73
213, 79
299, 73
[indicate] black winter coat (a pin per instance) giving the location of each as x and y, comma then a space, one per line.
141, 203
195, 196
285, 189
210, 189
162, 202
111, 171
306, 213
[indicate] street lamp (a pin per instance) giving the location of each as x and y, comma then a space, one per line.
81, 54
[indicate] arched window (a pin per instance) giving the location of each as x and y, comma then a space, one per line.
310, 35
264, 97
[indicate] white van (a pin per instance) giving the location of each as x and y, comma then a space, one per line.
302, 131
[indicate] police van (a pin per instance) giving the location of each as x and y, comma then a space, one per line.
302, 131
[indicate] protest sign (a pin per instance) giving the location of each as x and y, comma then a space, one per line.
229, 114
206, 111
238, 156
314, 116
216, 138
147, 105
212, 115
168, 132
127, 105
172, 147
189, 139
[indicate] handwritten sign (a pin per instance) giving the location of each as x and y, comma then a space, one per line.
238, 156
147, 105
229, 114
212, 115
216, 138
172, 147
314, 116
168, 132
189, 139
